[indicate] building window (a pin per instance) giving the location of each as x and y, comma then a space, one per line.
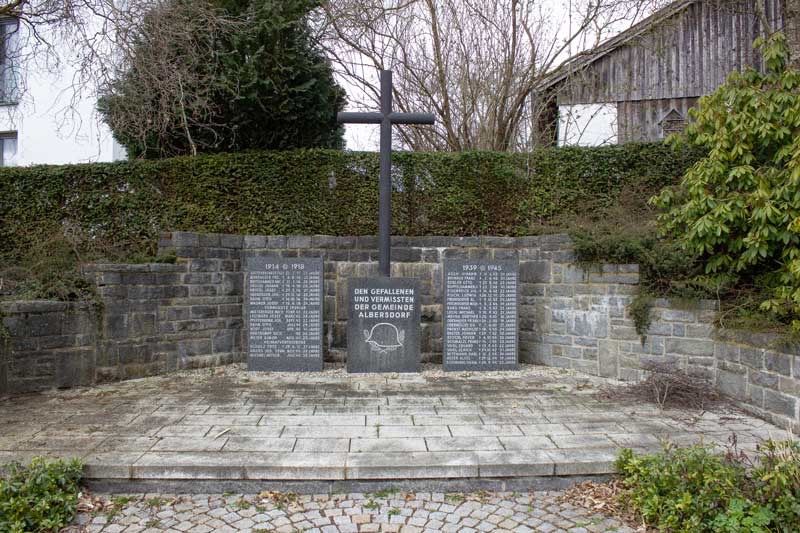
8, 149
673, 122
587, 124
9, 29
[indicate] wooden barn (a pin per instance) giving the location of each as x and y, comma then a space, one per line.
639, 85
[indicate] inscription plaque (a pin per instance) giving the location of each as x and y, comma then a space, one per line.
383, 325
480, 315
284, 314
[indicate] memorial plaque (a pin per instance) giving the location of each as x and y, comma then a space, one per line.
480, 315
383, 325
284, 314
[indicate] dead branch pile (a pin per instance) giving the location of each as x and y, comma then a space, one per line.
668, 386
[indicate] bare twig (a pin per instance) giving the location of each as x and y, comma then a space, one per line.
668, 386
474, 63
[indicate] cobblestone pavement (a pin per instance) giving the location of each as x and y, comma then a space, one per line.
423, 512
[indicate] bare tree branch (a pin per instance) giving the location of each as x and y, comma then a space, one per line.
474, 63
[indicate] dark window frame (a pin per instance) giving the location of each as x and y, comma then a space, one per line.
9, 27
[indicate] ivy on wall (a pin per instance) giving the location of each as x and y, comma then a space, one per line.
118, 209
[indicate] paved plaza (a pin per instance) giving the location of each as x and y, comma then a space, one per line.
386, 511
228, 424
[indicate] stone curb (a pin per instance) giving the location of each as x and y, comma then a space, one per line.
249, 486
242, 466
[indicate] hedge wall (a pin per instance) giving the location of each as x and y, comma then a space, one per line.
121, 207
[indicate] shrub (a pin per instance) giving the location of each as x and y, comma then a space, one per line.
739, 207
778, 482
680, 489
118, 209
697, 490
41, 497
48, 270
664, 267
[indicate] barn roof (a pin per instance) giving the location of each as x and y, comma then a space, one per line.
587, 57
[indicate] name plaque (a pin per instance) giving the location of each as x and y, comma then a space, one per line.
383, 325
480, 315
284, 314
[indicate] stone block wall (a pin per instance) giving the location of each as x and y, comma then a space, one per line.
581, 321
347, 257
46, 345
161, 317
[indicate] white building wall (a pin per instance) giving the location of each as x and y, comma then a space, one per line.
54, 123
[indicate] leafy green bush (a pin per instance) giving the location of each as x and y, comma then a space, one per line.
47, 271
681, 489
116, 210
777, 475
697, 490
665, 268
738, 209
41, 497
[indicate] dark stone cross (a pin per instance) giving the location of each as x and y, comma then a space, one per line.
385, 118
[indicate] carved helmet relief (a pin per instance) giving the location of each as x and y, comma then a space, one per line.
384, 337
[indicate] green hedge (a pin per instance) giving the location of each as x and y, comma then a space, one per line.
121, 207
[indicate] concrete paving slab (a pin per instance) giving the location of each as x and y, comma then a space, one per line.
387, 445
578, 462
323, 432
390, 420
582, 442
545, 429
127, 444
414, 431
485, 430
183, 431
514, 463
255, 444
448, 420
110, 465
220, 420
429, 465
322, 445
245, 431
297, 466
527, 443
238, 427
320, 420
189, 444
463, 444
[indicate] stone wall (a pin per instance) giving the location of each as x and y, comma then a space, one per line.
347, 257
161, 317
581, 321
46, 344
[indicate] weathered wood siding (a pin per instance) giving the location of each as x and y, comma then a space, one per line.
685, 56
792, 17
640, 120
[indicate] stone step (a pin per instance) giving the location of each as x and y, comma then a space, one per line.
349, 466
